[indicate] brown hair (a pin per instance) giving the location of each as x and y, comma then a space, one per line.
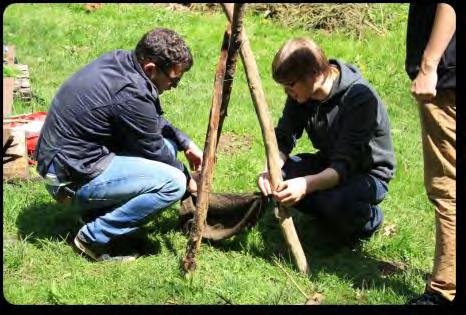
297, 59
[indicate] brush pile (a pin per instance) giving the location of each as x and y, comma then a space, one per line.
347, 18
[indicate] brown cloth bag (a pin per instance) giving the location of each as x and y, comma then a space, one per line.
228, 213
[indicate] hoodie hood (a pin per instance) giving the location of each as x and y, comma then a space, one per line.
349, 74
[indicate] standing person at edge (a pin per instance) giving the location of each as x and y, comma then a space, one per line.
106, 148
431, 64
346, 121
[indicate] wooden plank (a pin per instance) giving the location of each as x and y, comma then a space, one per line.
17, 169
8, 84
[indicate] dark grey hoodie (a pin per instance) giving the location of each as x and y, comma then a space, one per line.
350, 129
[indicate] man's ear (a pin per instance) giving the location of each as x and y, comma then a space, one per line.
149, 68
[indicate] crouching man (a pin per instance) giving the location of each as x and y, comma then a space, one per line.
106, 147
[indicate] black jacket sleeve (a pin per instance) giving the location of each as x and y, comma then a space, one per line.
171, 132
358, 124
290, 127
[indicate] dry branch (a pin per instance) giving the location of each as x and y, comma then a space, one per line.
291, 278
331, 17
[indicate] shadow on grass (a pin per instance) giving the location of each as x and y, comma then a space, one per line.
52, 221
346, 262
45, 220
56, 222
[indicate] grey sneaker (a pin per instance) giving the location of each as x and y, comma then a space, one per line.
97, 252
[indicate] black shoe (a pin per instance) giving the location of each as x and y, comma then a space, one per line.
97, 252
429, 299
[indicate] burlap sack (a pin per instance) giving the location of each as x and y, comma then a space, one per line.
228, 213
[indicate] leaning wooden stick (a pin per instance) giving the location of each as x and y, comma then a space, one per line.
271, 147
205, 183
233, 48
189, 263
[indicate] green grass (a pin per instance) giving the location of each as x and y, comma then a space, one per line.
39, 265
10, 72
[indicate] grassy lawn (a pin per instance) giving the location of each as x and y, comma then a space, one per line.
39, 265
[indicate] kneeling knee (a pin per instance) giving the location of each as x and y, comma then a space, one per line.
178, 185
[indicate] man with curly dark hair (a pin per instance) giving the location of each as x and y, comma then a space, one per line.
106, 148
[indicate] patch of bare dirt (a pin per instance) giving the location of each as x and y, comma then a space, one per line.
173, 6
390, 267
316, 299
231, 143
91, 7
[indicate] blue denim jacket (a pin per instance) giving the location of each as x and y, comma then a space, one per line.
108, 107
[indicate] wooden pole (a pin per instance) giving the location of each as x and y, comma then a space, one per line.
233, 48
271, 147
205, 183
222, 90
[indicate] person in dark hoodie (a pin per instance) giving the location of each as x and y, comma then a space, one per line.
344, 181
106, 148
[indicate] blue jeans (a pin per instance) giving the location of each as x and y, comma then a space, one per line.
348, 209
127, 194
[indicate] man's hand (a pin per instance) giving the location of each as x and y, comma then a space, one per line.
192, 186
194, 156
424, 85
194, 181
291, 191
263, 182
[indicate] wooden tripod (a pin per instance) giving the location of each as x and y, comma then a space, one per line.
235, 40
